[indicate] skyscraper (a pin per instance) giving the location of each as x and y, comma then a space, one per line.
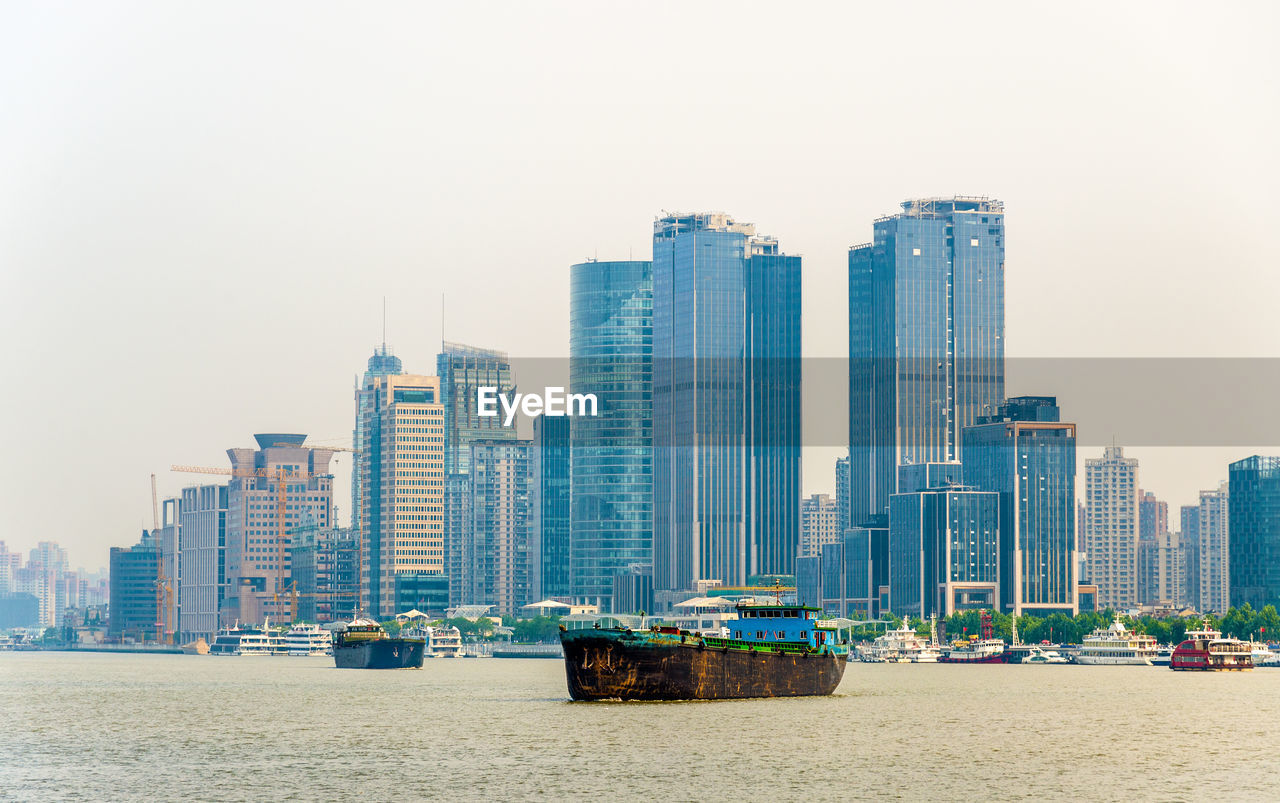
549, 509
1215, 549
1189, 545
1111, 527
132, 611
842, 492
926, 339
402, 472
819, 524
500, 514
611, 356
726, 402
1027, 455
943, 551
463, 370
1153, 526
382, 363
202, 520
1255, 531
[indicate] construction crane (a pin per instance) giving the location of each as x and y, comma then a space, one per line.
280, 477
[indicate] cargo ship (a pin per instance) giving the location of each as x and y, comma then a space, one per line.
1207, 651
977, 650
365, 645
771, 650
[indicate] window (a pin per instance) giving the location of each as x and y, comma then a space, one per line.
974, 242
915, 252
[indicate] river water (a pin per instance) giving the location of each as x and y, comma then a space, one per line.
114, 727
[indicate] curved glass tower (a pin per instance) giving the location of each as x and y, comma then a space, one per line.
611, 355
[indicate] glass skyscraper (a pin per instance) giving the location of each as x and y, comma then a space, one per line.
926, 339
611, 355
1254, 510
549, 505
943, 550
382, 363
726, 402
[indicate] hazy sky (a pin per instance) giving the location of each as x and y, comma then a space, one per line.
202, 206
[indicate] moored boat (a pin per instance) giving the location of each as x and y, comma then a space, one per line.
983, 649
363, 644
772, 650
900, 646
1116, 645
1207, 651
308, 640
248, 640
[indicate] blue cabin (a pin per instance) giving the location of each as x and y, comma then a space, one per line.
792, 624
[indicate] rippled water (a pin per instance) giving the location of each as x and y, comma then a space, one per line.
101, 726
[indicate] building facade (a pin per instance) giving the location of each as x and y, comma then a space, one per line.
926, 339
382, 363
611, 356
842, 492
326, 569
202, 520
819, 524
726, 403
1254, 512
1215, 549
1189, 546
549, 545
497, 550
132, 612
1111, 528
943, 551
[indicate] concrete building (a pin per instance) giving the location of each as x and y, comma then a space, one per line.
1254, 511
1170, 571
202, 520
943, 551
382, 363
45, 578
403, 477
1215, 549
1153, 525
10, 562
326, 570
926, 339
1111, 528
549, 543
133, 612
261, 517
497, 549
1189, 545
819, 524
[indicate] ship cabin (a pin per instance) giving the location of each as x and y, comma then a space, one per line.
798, 625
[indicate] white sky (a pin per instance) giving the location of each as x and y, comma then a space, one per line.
201, 206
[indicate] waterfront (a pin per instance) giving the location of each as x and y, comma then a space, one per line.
104, 726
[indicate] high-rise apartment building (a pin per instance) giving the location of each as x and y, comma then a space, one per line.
726, 403
497, 565
10, 562
819, 524
1026, 454
1153, 525
463, 370
611, 356
1254, 510
261, 515
1111, 527
926, 339
382, 363
402, 476
1215, 549
549, 558
943, 551
202, 520
1189, 545
44, 577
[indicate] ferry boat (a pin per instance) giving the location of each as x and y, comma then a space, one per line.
308, 640
983, 649
771, 650
1207, 651
901, 646
441, 641
1116, 646
363, 644
248, 640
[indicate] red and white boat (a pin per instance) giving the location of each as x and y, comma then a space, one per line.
1207, 651
984, 650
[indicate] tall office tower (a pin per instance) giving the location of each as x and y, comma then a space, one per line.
1027, 454
501, 517
43, 578
403, 480
726, 403
819, 524
943, 551
326, 565
463, 370
382, 363
169, 540
132, 610
1255, 532
611, 356
202, 520
1111, 527
926, 339
842, 491
1215, 549
1153, 523
1189, 545
257, 555
549, 501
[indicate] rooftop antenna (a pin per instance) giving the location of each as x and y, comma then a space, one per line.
442, 322
384, 324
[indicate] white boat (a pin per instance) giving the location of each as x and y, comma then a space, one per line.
442, 641
1116, 646
901, 646
1264, 655
248, 640
1039, 655
308, 640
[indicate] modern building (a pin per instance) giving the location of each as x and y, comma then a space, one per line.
819, 524
202, 520
943, 551
843, 491
45, 578
463, 370
497, 569
169, 540
403, 477
133, 611
1026, 454
1215, 549
726, 403
428, 593
549, 545
326, 571
1170, 571
1189, 544
382, 363
1111, 528
633, 589
10, 562
926, 339
1153, 525
611, 356
1254, 511
273, 490
851, 577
